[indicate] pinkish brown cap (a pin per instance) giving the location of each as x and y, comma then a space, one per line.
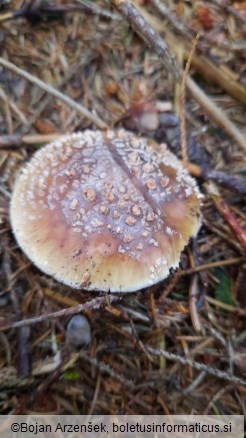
105, 211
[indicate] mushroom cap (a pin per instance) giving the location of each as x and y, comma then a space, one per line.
105, 211
78, 331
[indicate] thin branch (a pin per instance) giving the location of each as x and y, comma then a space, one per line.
93, 304
93, 8
53, 91
148, 34
5, 17
197, 366
11, 141
225, 179
195, 383
167, 13
211, 265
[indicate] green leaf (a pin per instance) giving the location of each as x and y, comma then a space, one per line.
71, 375
223, 289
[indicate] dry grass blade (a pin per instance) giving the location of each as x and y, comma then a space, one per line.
182, 104
217, 114
51, 90
141, 27
232, 221
193, 298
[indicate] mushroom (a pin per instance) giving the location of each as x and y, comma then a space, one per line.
105, 211
78, 332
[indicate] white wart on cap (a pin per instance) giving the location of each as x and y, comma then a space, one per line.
105, 211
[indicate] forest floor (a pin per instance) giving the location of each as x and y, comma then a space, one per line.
178, 347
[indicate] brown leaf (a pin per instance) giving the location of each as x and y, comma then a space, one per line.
44, 126
205, 17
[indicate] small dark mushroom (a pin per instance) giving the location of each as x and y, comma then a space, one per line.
78, 331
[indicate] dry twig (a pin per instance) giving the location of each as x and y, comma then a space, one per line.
197, 365
216, 113
51, 90
148, 34
224, 77
159, 47
93, 304
11, 141
232, 221
225, 179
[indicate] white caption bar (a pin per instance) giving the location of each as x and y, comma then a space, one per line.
128, 426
